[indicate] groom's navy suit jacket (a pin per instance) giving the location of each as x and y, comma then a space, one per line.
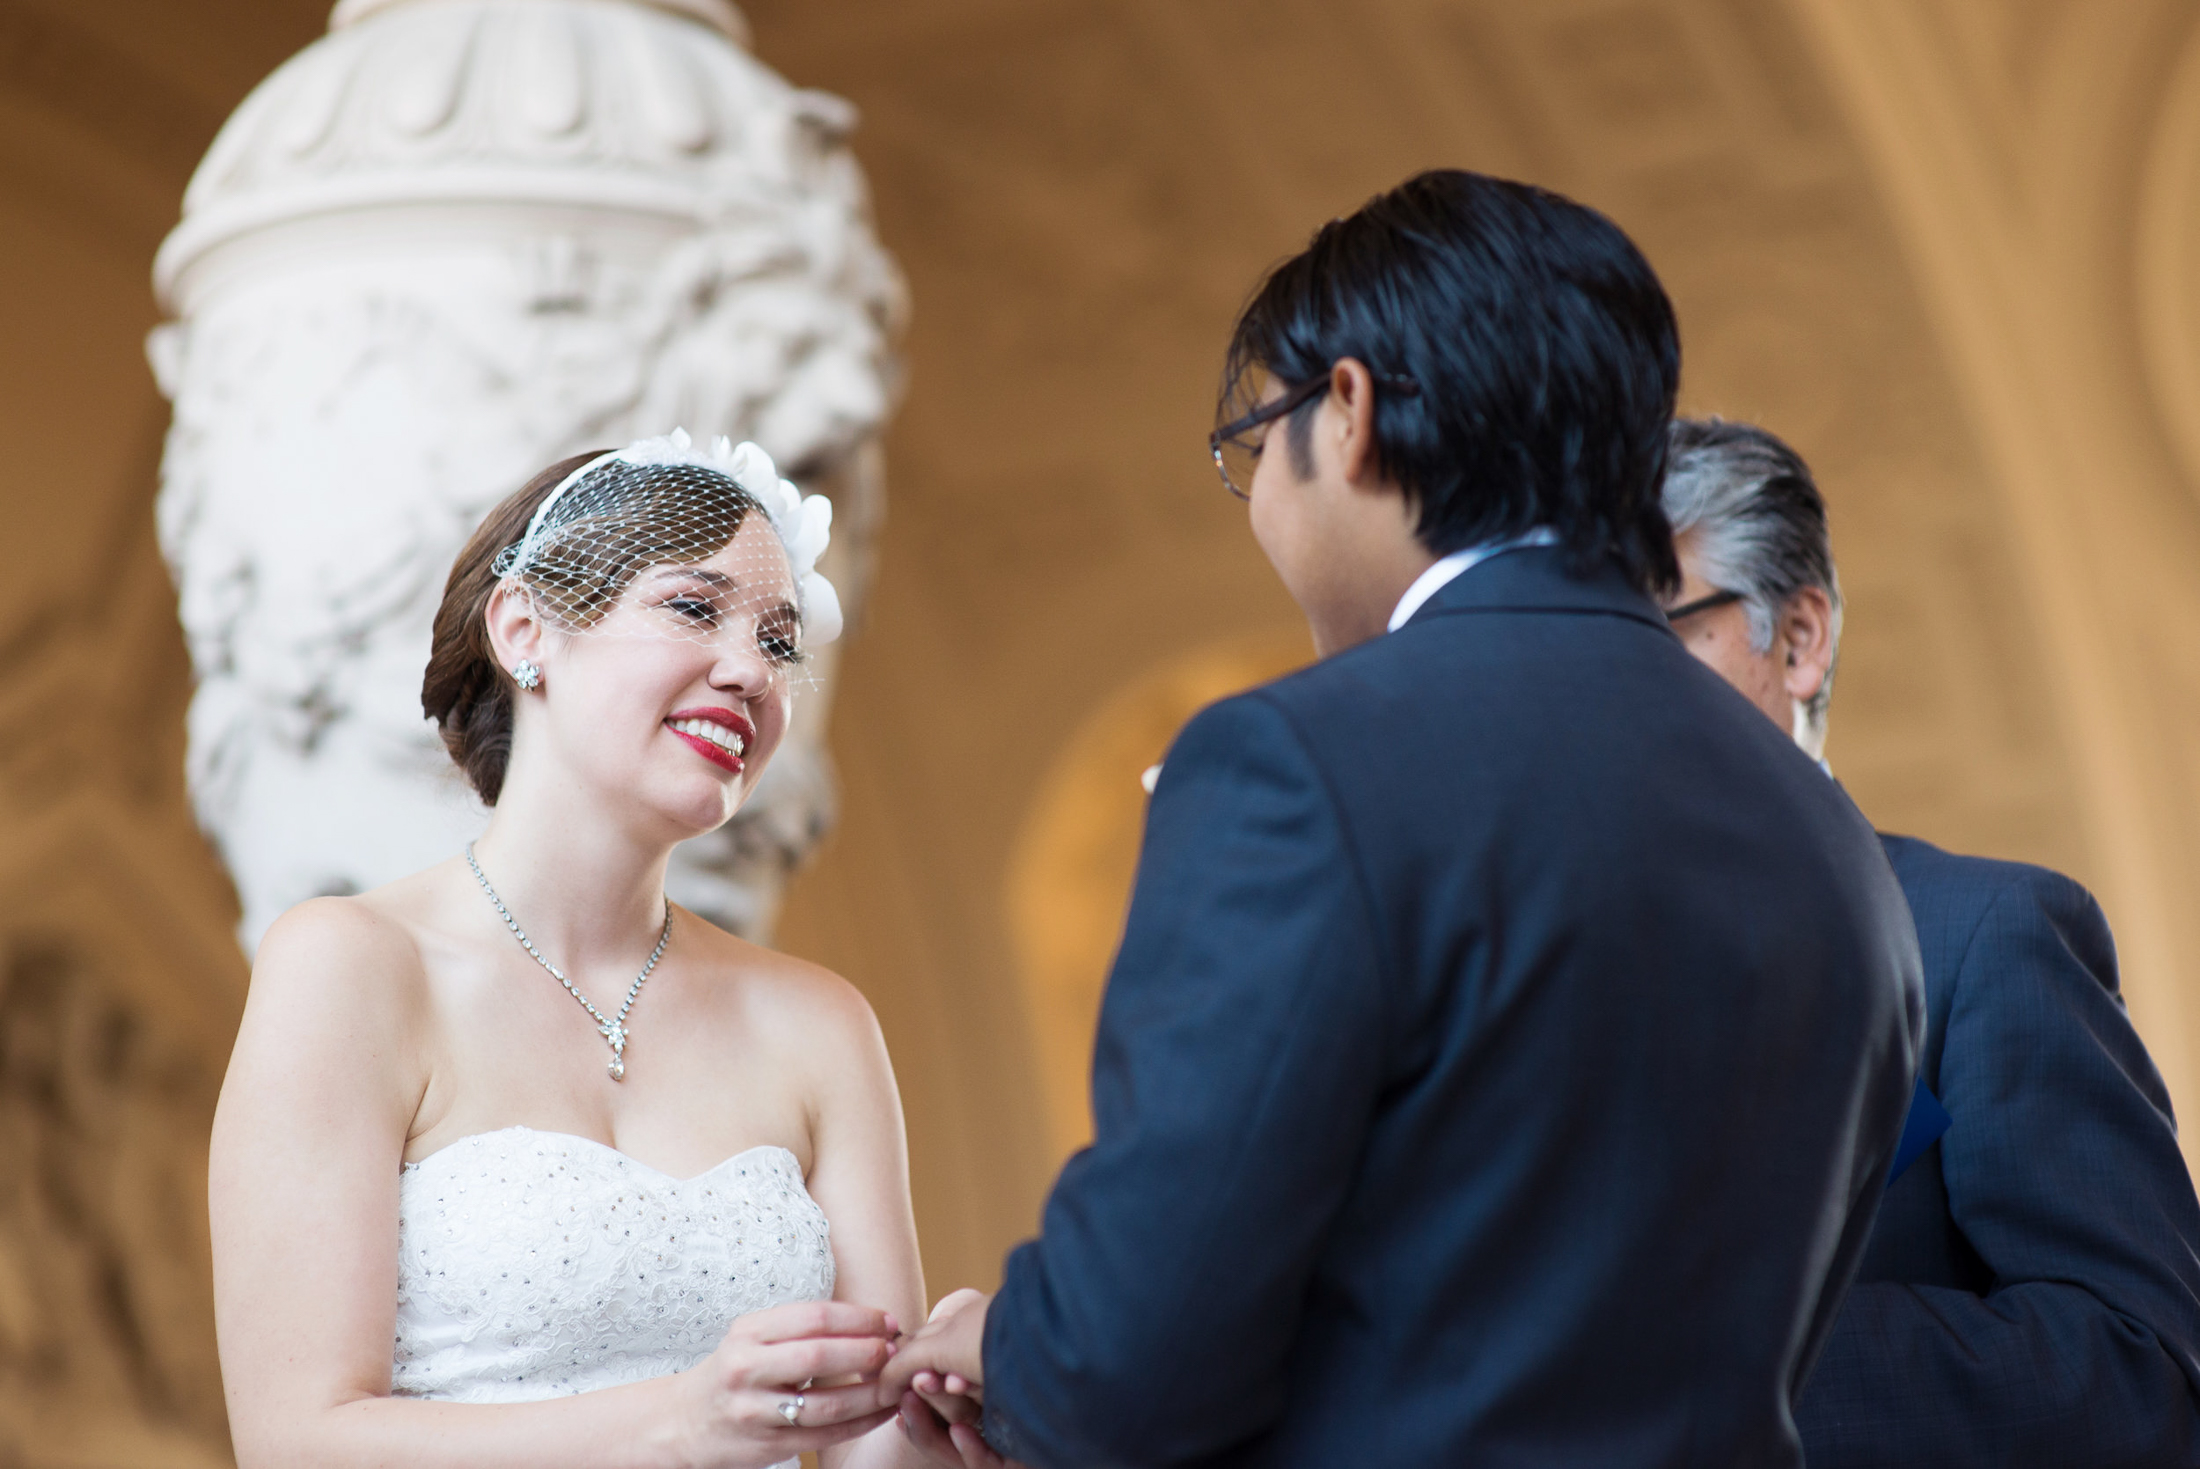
1501, 1065
2031, 1293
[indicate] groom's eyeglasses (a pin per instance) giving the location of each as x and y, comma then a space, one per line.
1236, 446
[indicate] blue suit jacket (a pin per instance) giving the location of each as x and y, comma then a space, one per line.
2031, 1293
1507, 1043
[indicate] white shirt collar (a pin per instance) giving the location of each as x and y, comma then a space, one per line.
1439, 576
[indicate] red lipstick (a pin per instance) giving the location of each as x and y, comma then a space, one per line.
713, 751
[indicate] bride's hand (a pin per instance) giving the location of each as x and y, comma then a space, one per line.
765, 1361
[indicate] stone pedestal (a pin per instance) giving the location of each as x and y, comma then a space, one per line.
446, 244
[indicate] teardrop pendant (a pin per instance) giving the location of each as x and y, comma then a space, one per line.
612, 1030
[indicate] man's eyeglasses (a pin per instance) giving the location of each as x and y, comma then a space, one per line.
1701, 604
1237, 448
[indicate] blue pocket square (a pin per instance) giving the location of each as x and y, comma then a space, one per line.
1920, 1130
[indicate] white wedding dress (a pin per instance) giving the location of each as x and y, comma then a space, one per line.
533, 1264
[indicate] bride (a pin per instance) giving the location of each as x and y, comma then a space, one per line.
516, 1162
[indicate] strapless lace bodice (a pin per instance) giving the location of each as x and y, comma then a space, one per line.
535, 1264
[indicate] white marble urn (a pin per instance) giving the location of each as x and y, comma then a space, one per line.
443, 246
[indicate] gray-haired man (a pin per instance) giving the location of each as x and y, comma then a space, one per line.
2031, 1291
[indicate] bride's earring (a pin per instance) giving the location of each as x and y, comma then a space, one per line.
526, 675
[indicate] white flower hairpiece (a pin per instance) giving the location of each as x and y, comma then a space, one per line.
804, 523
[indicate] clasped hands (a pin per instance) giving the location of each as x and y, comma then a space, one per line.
807, 1376
937, 1374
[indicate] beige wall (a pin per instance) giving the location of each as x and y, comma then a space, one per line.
1946, 246
119, 983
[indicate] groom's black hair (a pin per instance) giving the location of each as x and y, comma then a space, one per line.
1543, 349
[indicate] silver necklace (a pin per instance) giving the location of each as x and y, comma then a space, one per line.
614, 1030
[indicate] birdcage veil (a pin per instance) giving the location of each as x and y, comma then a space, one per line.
663, 519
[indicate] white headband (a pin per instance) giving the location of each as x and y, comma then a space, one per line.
804, 523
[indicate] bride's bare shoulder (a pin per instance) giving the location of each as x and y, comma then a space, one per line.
333, 944
784, 994
335, 1031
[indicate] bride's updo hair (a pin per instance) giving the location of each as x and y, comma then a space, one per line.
464, 690
627, 516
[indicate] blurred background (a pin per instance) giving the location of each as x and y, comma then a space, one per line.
1948, 248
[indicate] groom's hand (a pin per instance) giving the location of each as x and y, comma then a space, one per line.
946, 1360
951, 1397
945, 1395
952, 1445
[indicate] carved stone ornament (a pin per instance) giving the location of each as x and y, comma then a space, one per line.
443, 246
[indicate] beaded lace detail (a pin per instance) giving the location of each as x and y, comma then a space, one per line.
533, 1264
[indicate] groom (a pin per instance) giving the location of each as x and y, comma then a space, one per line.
1488, 1074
